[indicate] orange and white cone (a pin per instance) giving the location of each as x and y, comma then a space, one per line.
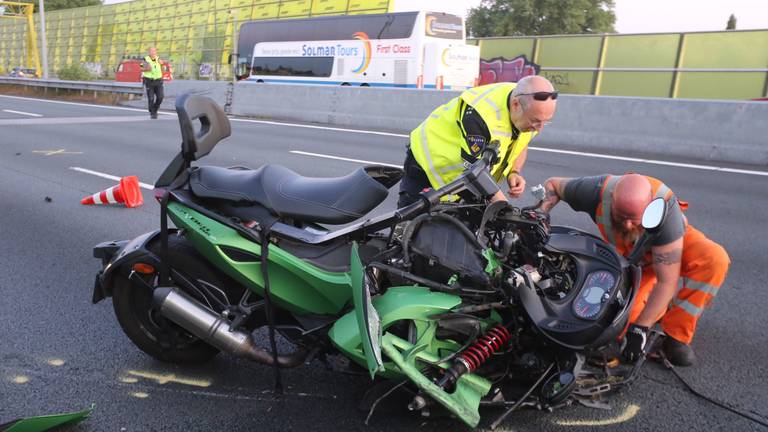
127, 192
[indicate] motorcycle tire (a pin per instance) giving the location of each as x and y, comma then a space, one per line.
142, 322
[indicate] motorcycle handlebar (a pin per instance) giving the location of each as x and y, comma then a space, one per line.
432, 197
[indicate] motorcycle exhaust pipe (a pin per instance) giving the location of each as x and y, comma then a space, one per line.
188, 313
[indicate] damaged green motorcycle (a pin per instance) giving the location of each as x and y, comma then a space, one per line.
468, 304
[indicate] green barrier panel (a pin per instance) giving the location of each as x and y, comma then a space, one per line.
690, 65
506, 48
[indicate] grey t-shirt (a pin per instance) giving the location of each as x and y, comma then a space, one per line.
583, 194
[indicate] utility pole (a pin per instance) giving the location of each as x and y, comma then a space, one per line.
44, 39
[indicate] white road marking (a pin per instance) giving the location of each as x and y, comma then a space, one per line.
23, 113
108, 176
85, 104
319, 127
54, 152
654, 162
551, 150
344, 159
648, 161
74, 120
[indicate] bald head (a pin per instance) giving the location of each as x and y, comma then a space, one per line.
153, 52
533, 84
630, 197
527, 113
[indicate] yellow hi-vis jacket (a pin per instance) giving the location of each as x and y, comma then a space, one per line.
437, 143
157, 68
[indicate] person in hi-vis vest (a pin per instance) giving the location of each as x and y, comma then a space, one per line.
683, 271
455, 135
152, 76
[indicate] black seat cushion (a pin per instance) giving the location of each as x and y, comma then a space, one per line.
337, 200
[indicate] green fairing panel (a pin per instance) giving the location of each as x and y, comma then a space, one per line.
46, 422
411, 303
368, 322
415, 304
470, 388
295, 285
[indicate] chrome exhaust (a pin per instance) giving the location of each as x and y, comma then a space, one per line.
188, 313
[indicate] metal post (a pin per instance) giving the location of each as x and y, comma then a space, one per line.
234, 51
43, 39
675, 88
600, 64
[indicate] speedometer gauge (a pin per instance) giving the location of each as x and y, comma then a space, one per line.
596, 291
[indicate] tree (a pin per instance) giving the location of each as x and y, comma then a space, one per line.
731, 23
52, 5
540, 17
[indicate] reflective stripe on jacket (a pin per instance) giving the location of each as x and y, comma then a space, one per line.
603, 218
157, 69
438, 142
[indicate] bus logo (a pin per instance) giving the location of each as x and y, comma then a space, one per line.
430, 23
363, 37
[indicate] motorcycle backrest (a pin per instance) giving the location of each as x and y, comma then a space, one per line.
203, 124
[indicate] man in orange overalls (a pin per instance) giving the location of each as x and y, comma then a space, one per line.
681, 274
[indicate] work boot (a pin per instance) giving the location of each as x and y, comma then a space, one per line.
678, 353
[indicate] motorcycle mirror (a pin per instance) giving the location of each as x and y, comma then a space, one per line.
654, 214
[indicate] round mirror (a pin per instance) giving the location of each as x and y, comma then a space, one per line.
654, 214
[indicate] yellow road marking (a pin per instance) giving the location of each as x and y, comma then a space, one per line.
56, 362
140, 395
20, 379
627, 415
165, 379
128, 380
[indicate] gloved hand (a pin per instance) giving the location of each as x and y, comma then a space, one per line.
636, 338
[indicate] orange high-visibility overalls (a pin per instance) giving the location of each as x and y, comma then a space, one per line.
703, 267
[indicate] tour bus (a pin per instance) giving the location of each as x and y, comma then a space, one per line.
404, 49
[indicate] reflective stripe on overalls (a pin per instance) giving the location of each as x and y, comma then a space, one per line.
703, 268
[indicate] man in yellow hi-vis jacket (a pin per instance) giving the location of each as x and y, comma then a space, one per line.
152, 76
455, 134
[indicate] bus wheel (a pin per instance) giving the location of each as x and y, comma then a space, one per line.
365, 85
260, 81
345, 84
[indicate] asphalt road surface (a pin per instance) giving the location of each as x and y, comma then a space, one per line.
59, 353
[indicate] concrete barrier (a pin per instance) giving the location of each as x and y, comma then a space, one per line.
393, 110
690, 130
216, 90
700, 130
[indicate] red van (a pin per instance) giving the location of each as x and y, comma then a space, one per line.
129, 70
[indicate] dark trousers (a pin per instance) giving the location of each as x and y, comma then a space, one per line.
154, 94
414, 181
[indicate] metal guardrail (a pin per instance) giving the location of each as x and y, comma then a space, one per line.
103, 86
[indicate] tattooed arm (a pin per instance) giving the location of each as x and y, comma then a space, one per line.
554, 187
666, 265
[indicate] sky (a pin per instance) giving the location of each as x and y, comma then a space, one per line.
647, 16
640, 16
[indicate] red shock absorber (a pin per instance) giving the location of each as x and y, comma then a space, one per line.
487, 344
475, 355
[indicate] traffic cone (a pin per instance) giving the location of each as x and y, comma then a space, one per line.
127, 192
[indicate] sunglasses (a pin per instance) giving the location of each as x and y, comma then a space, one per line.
541, 96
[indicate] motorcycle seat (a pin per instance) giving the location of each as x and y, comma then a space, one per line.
287, 194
